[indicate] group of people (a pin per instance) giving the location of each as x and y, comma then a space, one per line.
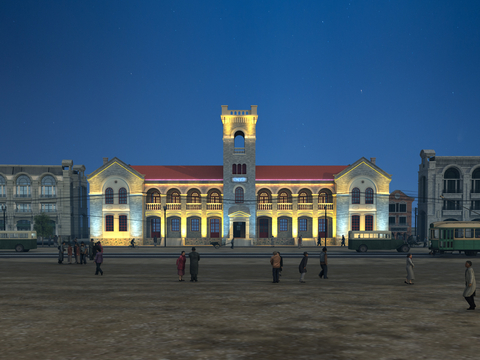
194, 259
80, 252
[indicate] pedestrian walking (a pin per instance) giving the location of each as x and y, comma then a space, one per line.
61, 250
302, 268
300, 241
77, 253
232, 244
281, 264
194, 259
91, 249
181, 266
155, 241
470, 286
324, 263
83, 253
409, 267
98, 261
69, 253
275, 262
343, 240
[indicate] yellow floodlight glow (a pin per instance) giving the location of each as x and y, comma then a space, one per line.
123, 167
363, 162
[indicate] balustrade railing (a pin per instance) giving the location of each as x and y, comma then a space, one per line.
153, 206
214, 206
264, 206
284, 206
174, 206
322, 206
194, 206
305, 206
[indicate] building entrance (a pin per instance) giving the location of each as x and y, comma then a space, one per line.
239, 229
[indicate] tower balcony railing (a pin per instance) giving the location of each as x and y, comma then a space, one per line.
322, 206
194, 206
153, 206
285, 206
239, 150
264, 206
304, 206
214, 206
175, 206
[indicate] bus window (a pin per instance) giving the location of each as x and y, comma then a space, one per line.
459, 233
477, 233
469, 233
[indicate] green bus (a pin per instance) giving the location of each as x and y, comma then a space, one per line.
361, 241
449, 236
18, 240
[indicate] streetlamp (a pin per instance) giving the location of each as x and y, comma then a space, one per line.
165, 216
4, 209
326, 225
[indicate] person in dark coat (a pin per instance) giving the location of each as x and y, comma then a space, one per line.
343, 240
61, 250
91, 249
232, 243
324, 263
155, 241
281, 264
194, 259
302, 268
98, 261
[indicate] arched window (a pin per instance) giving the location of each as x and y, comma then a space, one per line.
48, 186
369, 196
476, 181
234, 169
2, 187
355, 223
194, 198
283, 197
356, 196
325, 197
109, 221
239, 195
214, 198
109, 197
452, 183
175, 197
239, 168
239, 141
175, 224
23, 186
263, 197
369, 223
303, 198
122, 196
244, 168
122, 223
302, 225
153, 197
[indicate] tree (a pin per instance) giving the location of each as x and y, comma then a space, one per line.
43, 225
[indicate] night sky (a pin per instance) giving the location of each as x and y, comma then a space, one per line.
333, 81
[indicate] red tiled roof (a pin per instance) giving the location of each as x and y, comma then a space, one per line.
263, 173
272, 172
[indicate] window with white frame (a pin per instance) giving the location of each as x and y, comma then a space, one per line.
48, 186
49, 207
23, 186
23, 207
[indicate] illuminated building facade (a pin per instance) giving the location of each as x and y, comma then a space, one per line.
239, 199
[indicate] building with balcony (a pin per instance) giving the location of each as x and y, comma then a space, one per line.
58, 190
193, 205
448, 189
400, 215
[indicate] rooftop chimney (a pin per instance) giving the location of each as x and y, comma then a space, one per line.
105, 160
373, 160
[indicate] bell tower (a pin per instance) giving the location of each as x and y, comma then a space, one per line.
239, 205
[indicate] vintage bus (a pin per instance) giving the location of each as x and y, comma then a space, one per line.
18, 240
361, 241
449, 236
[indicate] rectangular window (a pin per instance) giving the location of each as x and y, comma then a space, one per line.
403, 220
391, 220
355, 223
459, 233
283, 225
176, 224
477, 233
391, 208
369, 223
122, 223
24, 208
48, 207
302, 224
403, 207
469, 233
195, 225
109, 223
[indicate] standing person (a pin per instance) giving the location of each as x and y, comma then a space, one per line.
77, 253
69, 253
55, 240
410, 274
181, 266
91, 249
272, 241
155, 241
83, 253
61, 250
275, 262
470, 286
194, 259
98, 261
281, 264
99, 246
302, 268
323, 263
300, 241
343, 240
232, 243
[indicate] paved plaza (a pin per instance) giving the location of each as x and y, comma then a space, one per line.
139, 310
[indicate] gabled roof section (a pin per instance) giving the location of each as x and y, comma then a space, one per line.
297, 173
403, 196
359, 162
112, 162
180, 173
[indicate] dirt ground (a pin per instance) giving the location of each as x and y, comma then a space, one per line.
139, 310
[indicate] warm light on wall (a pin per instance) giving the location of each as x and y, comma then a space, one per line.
274, 227
363, 162
123, 167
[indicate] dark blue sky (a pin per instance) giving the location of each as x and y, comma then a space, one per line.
333, 81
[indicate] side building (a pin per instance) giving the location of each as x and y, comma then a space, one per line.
448, 189
193, 205
57, 190
400, 215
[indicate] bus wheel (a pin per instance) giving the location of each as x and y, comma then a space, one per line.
404, 248
19, 248
362, 248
